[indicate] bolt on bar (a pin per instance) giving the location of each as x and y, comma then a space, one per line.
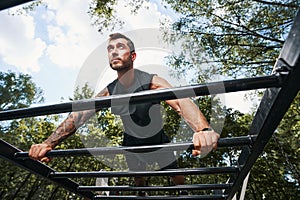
223, 142
219, 87
171, 172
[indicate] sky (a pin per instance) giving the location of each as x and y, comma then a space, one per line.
57, 45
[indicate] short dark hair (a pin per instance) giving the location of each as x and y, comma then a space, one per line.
115, 36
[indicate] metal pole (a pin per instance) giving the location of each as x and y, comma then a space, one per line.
223, 142
155, 188
7, 152
147, 96
195, 197
273, 106
5, 4
171, 172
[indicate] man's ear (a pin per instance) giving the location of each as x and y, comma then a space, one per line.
133, 56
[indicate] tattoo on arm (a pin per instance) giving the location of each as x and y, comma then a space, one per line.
64, 130
70, 125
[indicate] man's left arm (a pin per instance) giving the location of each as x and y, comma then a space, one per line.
205, 139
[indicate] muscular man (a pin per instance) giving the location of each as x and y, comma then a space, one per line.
142, 122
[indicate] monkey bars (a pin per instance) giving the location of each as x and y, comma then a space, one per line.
282, 87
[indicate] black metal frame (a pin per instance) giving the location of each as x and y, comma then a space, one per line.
4, 4
274, 104
7, 152
223, 142
212, 88
283, 86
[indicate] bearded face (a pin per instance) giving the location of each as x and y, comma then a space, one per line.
119, 55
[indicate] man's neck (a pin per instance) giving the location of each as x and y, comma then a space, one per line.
126, 78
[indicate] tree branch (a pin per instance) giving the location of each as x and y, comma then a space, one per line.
290, 5
250, 32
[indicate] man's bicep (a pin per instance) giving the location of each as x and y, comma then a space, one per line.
102, 93
159, 83
83, 116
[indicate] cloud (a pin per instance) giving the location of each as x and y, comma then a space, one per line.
148, 16
70, 33
18, 45
73, 37
68, 36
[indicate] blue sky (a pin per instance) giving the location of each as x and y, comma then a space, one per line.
52, 44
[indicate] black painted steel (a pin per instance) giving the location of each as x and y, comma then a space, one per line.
146, 96
223, 142
7, 152
273, 106
156, 188
194, 197
194, 171
5, 4
282, 88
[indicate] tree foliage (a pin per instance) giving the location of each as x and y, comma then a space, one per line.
239, 37
242, 38
22, 133
276, 174
104, 14
18, 91
102, 130
234, 38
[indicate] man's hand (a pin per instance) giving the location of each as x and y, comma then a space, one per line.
38, 152
204, 142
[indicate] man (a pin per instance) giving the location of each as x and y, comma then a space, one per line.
142, 122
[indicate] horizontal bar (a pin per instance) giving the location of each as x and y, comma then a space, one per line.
223, 142
273, 106
7, 152
170, 172
147, 96
156, 188
5, 4
193, 197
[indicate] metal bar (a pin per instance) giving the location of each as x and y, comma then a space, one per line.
274, 104
7, 152
194, 197
170, 172
146, 96
5, 4
223, 142
156, 188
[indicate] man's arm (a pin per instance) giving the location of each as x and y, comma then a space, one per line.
63, 131
204, 140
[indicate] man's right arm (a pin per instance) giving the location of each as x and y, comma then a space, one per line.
63, 131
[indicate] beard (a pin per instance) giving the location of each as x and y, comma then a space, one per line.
122, 65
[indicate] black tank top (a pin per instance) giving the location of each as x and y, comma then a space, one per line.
142, 122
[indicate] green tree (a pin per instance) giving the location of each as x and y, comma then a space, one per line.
242, 38
275, 175
18, 91
235, 38
239, 37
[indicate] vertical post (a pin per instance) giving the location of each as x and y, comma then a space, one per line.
274, 104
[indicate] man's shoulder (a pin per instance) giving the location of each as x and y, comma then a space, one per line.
113, 82
143, 74
139, 71
110, 87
